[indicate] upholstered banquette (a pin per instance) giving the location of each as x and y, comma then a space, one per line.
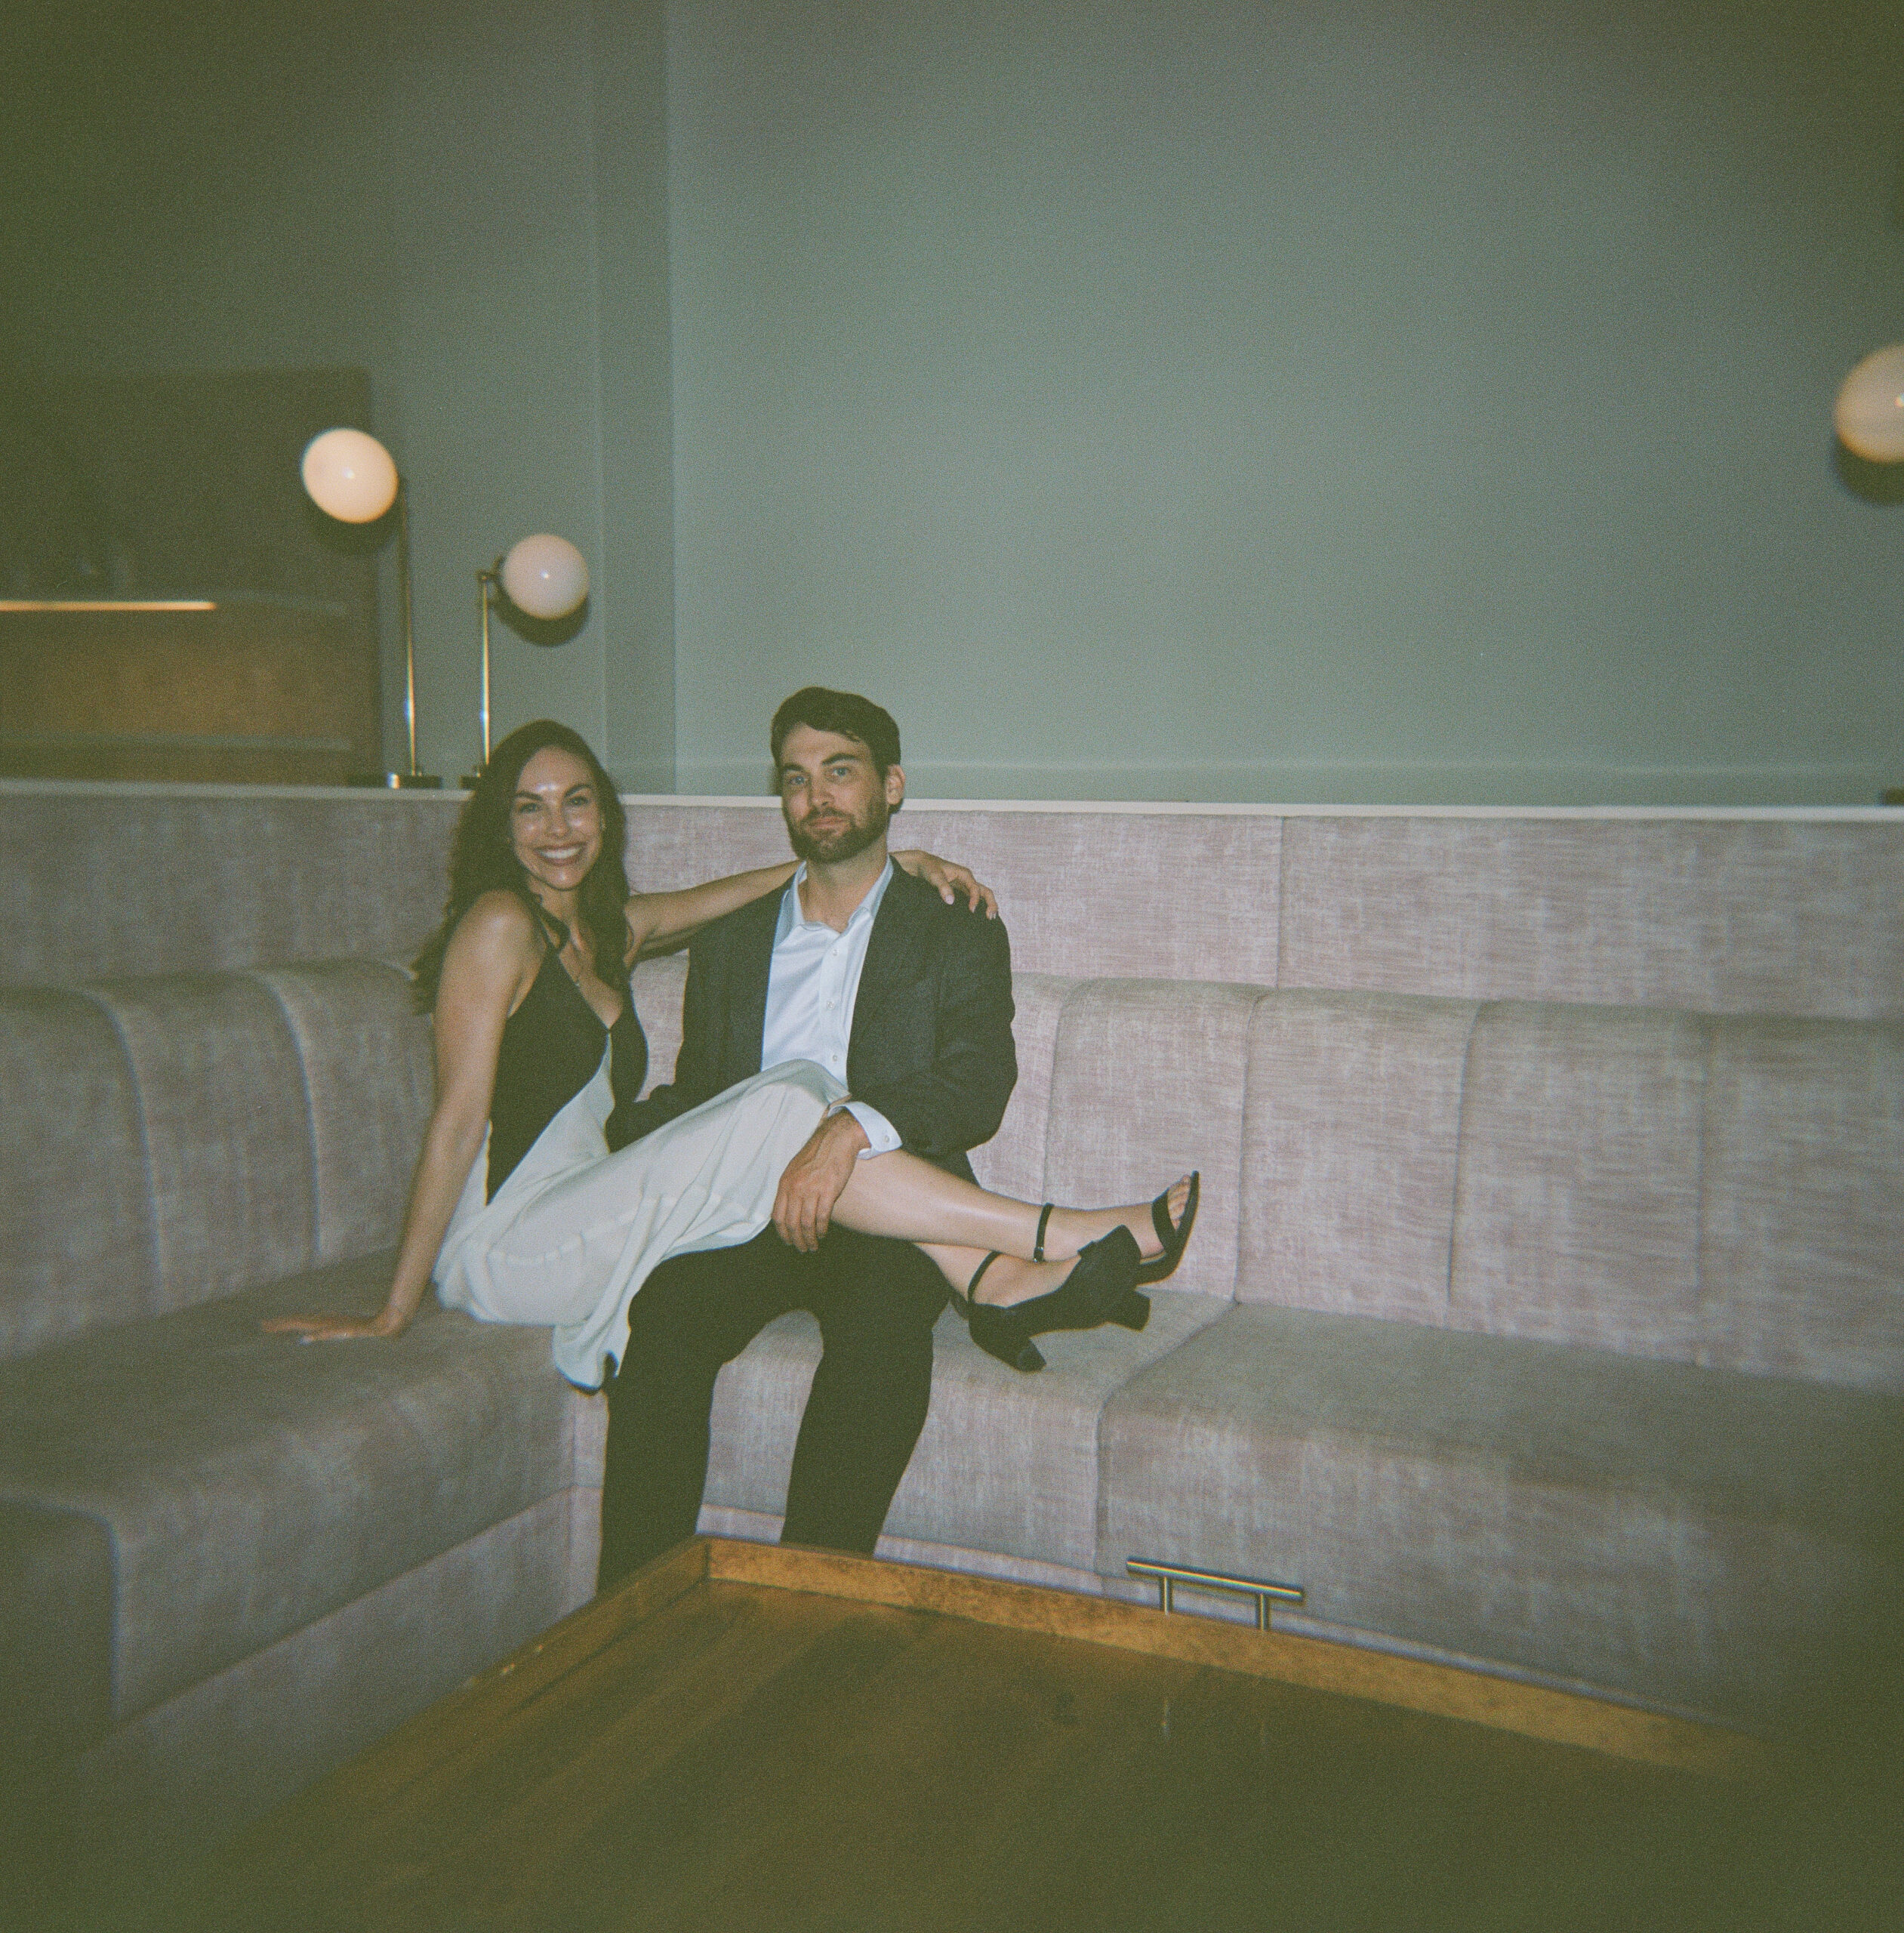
1562, 1335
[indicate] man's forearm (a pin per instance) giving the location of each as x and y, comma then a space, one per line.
814, 1180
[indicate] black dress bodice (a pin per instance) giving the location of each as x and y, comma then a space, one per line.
551, 1046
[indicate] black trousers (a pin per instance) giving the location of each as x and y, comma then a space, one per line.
876, 1301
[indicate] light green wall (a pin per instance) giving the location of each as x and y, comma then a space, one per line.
1426, 400
1355, 401
468, 199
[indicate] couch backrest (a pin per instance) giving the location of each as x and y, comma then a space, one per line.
1722, 1190
1727, 1190
1719, 1189
196, 1134
77, 1241
1748, 911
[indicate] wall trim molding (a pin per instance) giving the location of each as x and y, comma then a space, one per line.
1410, 785
756, 802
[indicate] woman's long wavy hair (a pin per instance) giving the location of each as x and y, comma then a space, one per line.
483, 860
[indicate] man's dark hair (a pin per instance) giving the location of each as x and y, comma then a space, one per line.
844, 712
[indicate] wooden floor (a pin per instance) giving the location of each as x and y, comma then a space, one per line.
808, 1742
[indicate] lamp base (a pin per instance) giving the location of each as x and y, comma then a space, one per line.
421, 781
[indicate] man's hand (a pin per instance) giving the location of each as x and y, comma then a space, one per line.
814, 1180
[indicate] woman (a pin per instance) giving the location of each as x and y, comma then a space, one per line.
518, 1209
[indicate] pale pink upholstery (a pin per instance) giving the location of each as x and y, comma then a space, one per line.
1007, 1464
1545, 1305
226, 1129
100, 881
1013, 1161
78, 1252
1146, 1084
1801, 1260
1577, 1190
250, 1486
365, 1057
1099, 895
1351, 1129
1782, 916
658, 984
1687, 1535
1726, 913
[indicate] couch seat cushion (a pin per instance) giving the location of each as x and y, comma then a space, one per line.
1692, 1536
1005, 1462
249, 1484
55, 1631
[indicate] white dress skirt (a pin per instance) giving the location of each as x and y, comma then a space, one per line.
574, 1230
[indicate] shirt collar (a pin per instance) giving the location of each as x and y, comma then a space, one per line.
791, 915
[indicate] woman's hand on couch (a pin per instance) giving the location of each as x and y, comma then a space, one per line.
335, 1328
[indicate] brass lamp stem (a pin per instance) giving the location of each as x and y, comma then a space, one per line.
409, 634
486, 583
485, 580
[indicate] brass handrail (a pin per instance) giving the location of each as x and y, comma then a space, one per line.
1170, 1575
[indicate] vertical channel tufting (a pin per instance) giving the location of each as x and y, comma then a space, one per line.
1461, 1142
364, 1055
1013, 1161
1146, 1084
1576, 1199
226, 1129
1702, 1353
1071, 995
1282, 901
1803, 1172
1350, 1123
1251, 1199
310, 1111
78, 1247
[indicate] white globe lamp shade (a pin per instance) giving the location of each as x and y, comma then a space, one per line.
1870, 411
545, 576
348, 476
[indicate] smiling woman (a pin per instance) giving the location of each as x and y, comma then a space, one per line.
534, 1200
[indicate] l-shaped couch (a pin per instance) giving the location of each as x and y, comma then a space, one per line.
1562, 1335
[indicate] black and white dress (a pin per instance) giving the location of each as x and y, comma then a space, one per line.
552, 1227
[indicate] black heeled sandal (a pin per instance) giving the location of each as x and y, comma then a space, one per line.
1174, 1239
1102, 1287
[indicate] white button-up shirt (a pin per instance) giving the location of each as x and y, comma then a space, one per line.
811, 986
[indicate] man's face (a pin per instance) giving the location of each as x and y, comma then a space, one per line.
835, 804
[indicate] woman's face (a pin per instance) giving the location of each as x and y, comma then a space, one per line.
554, 822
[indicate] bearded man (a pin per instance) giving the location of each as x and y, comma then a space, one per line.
906, 1000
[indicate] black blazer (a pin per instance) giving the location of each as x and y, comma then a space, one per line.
931, 1046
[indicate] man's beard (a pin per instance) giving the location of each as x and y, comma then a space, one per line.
844, 841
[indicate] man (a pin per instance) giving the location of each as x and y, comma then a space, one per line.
908, 1001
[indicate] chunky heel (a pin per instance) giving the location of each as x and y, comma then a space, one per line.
1102, 1287
1005, 1340
1001, 1339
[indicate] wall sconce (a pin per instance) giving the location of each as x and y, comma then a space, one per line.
544, 576
350, 475
1869, 412
1869, 418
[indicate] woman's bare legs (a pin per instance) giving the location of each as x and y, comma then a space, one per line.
958, 1224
